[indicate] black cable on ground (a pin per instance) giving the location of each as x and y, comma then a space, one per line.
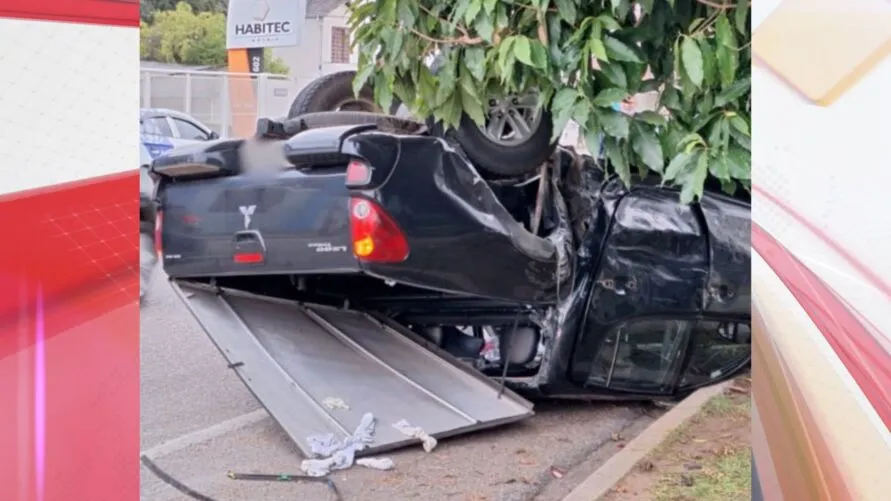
285, 477
282, 477
270, 477
172, 482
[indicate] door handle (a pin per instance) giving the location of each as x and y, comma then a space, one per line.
621, 285
721, 293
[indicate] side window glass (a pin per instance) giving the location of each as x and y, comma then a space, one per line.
718, 348
643, 355
189, 130
156, 126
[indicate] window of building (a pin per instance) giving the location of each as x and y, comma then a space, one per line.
340, 45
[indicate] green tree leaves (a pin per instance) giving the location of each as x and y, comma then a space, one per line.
147, 8
645, 143
582, 57
522, 50
609, 96
691, 56
618, 51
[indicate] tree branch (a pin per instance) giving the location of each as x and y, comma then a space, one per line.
716, 5
462, 40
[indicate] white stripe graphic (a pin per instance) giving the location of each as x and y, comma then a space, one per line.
826, 386
776, 301
830, 165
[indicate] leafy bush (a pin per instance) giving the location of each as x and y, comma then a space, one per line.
582, 57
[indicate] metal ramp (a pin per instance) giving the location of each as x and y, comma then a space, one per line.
294, 356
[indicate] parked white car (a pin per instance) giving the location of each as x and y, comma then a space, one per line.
162, 129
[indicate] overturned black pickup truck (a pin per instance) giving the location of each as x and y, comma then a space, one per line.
372, 265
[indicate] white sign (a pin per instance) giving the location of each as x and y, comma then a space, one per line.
264, 23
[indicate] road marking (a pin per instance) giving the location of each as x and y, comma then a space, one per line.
205, 434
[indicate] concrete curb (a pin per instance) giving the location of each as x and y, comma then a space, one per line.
602, 481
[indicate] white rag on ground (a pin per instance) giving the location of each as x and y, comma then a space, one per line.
332, 454
376, 463
428, 442
332, 403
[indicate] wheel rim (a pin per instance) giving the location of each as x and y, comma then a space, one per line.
357, 105
512, 120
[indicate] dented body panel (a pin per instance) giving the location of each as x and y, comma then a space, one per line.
299, 219
642, 255
452, 218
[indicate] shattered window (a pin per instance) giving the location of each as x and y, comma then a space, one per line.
643, 355
719, 348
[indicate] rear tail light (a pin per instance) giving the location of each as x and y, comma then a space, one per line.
191, 219
376, 237
358, 174
248, 258
159, 220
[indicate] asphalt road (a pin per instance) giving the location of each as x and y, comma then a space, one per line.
198, 422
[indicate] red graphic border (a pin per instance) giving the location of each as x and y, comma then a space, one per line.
104, 12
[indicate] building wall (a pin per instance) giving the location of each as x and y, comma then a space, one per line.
337, 18
304, 60
312, 58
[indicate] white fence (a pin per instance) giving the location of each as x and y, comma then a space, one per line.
220, 100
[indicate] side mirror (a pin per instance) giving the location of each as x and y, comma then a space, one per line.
213, 135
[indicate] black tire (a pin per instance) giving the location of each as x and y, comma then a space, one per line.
327, 92
502, 160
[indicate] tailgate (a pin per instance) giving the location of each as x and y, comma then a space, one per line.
296, 357
289, 222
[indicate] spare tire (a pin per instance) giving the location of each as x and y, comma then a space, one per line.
498, 150
334, 92
515, 140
